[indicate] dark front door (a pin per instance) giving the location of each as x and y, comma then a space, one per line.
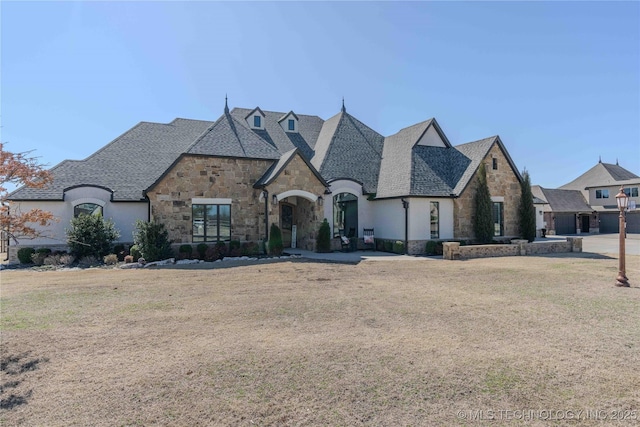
286, 221
584, 223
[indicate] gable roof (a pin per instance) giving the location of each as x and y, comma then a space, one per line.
348, 149
227, 137
125, 166
274, 171
564, 200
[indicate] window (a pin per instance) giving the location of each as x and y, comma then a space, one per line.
211, 223
498, 219
631, 192
602, 194
256, 121
495, 164
87, 209
345, 214
292, 124
435, 220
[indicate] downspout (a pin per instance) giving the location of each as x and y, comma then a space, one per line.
405, 205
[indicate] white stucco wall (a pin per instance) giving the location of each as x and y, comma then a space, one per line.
365, 207
389, 218
420, 218
431, 138
540, 208
123, 214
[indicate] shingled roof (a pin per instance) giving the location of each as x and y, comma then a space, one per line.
126, 166
348, 149
602, 174
228, 137
565, 200
304, 139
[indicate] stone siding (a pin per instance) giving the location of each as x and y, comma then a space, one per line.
308, 214
502, 182
210, 177
233, 178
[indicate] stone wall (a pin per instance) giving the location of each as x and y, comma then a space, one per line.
453, 250
308, 214
502, 182
210, 177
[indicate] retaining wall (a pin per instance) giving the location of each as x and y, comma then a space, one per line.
453, 250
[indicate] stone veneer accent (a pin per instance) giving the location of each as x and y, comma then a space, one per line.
308, 214
453, 250
502, 182
196, 176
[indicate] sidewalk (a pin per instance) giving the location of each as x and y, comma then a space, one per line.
358, 256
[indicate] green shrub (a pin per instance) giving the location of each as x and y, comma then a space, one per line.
388, 246
323, 244
91, 235
185, 251
483, 215
249, 248
134, 251
398, 247
153, 241
24, 255
431, 247
275, 241
45, 251
526, 210
202, 250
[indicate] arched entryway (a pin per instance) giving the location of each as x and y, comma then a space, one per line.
299, 212
345, 214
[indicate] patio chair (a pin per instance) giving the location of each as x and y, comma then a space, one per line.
369, 240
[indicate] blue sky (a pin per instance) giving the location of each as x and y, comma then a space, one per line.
558, 81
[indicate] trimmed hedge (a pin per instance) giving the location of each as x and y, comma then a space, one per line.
24, 255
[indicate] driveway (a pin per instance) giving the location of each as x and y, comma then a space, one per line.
604, 243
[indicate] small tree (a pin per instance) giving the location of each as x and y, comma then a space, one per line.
22, 169
526, 210
153, 241
275, 241
483, 222
323, 243
91, 235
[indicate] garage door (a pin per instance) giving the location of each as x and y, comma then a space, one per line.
565, 224
609, 222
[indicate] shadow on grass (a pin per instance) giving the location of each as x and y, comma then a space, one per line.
14, 366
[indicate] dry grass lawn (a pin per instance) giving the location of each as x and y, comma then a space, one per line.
302, 343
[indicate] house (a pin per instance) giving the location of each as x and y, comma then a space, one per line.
587, 204
231, 178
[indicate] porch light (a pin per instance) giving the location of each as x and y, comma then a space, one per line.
622, 201
320, 201
274, 199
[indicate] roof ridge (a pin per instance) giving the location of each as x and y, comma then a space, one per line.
351, 118
331, 142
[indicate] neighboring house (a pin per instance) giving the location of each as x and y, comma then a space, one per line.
230, 179
565, 211
588, 205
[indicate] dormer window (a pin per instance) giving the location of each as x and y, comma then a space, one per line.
289, 122
255, 119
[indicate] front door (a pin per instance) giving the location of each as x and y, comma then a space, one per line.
585, 224
286, 221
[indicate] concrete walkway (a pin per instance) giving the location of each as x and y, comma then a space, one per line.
604, 243
358, 256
